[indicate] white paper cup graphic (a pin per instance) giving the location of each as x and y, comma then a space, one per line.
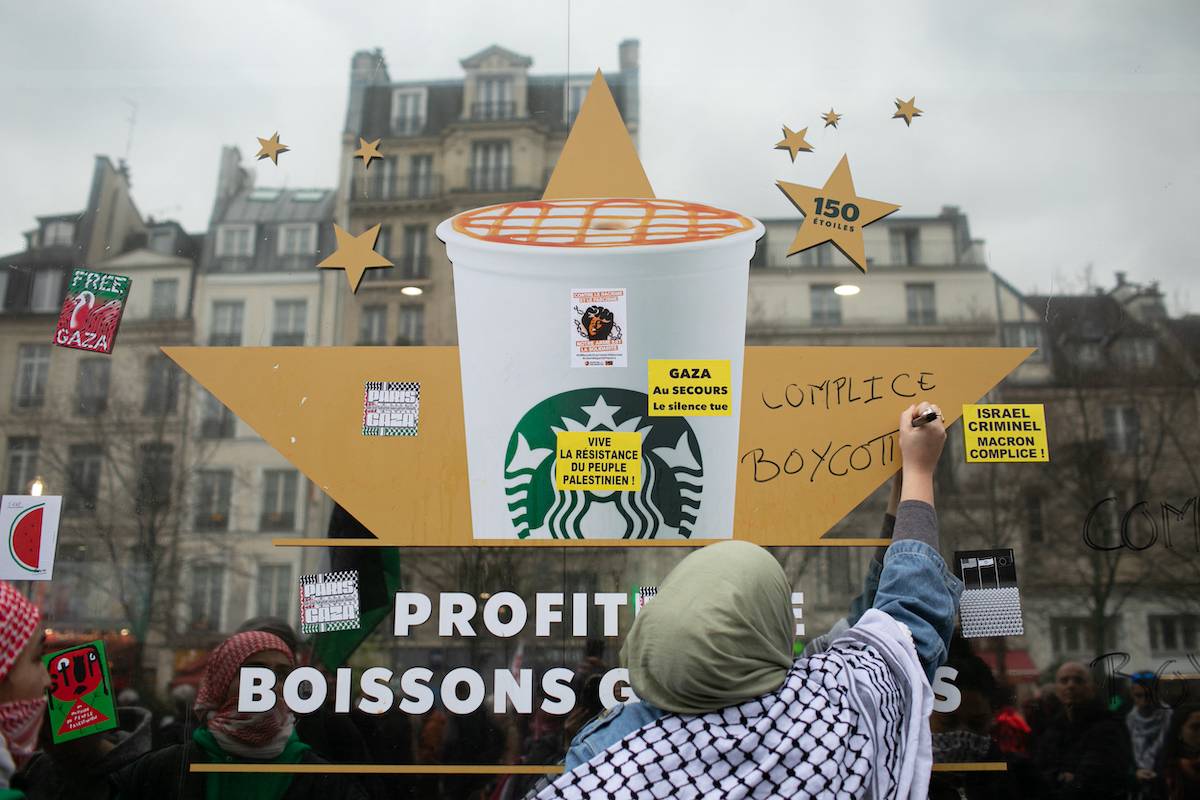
679, 271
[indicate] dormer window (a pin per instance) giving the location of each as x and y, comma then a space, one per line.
494, 99
408, 111
57, 233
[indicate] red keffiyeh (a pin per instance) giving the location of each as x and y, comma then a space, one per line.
250, 734
18, 620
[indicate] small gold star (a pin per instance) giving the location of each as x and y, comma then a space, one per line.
906, 109
793, 142
271, 148
355, 254
831, 118
367, 151
835, 213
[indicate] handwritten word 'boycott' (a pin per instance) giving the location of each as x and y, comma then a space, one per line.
836, 463
845, 390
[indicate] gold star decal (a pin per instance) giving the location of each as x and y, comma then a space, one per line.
355, 254
367, 151
831, 118
906, 109
793, 142
835, 213
271, 148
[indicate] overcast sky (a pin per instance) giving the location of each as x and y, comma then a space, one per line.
1067, 131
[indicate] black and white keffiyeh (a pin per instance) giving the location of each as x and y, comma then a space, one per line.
850, 721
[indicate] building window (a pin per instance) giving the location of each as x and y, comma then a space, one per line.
825, 305
22, 464
1122, 427
162, 386
213, 492
1033, 517
235, 241
1025, 335
576, 92
165, 294
372, 325
408, 111
33, 367
208, 590
412, 325
162, 241
494, 99
420, 176
1173, 633
3, 290
57, 233
91, 389
83, 477
279, 500
905, 245
226, 324
922, 309
297, 240
415, 263
1089, 354
216, 421
47, 290
1139, 353
276, 593
154, 477
291, 319
1076, 636
491, 166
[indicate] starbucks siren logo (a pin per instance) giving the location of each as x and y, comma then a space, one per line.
672, 469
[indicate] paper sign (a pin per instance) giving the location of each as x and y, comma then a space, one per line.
693, 388
81, 698
329, 602
391, 408
991, 603
92, 311
1005, 433
30, 526
599, 328
598, 461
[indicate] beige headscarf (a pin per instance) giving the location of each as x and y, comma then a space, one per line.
718, 632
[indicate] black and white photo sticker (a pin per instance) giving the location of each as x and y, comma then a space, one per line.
991, 604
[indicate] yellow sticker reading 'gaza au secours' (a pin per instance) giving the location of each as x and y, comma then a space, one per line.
689, 388
598, 461
1005, 433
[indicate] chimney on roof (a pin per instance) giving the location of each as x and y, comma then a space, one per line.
1120, 279
628, 52
367, 68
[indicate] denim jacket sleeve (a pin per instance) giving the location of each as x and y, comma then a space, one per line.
915, 588
608, 728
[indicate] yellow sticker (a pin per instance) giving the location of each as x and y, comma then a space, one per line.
1005, 433
689, 388
598, 461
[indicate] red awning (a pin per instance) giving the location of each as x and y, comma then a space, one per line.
1017, 664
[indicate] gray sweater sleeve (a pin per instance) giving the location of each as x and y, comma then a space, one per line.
916, 519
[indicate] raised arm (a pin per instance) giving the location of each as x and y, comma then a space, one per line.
866, 598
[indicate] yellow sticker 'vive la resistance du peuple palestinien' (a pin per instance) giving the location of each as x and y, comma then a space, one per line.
599, 461
996, 433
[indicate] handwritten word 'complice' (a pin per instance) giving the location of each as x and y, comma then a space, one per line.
835, 462
844, 390
1148, 524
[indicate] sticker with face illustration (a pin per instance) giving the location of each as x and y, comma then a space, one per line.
81, 698
599, 328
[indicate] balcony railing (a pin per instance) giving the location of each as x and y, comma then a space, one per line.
494, 109
409, 267
277, 521
396, 187
217, 427
212, 520
287, 339
224, 340
489, 179
407, 126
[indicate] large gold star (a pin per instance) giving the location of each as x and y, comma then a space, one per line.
831, 118
367, 151
906, 109
271, 148
355, 254
834, 213
793, 142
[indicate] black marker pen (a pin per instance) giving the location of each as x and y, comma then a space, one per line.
924, 419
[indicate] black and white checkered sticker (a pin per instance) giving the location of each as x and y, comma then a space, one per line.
329, 602
391, 408
991, 602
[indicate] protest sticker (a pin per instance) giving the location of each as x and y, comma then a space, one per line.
329, 602
92, 311
1005, 433
689, 388
642, 595
598, 461
30, 526
599, 328
391, 408
991, 603
81, 697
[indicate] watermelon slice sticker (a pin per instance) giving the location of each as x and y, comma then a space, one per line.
30, 528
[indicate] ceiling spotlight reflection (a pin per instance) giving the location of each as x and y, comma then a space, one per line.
412, 291
846, 289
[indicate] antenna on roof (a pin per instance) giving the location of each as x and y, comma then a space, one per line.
132, 122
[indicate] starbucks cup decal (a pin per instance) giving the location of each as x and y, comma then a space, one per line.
560, 305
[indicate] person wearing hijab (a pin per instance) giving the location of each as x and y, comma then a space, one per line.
723, 708
228, 736
23, 684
